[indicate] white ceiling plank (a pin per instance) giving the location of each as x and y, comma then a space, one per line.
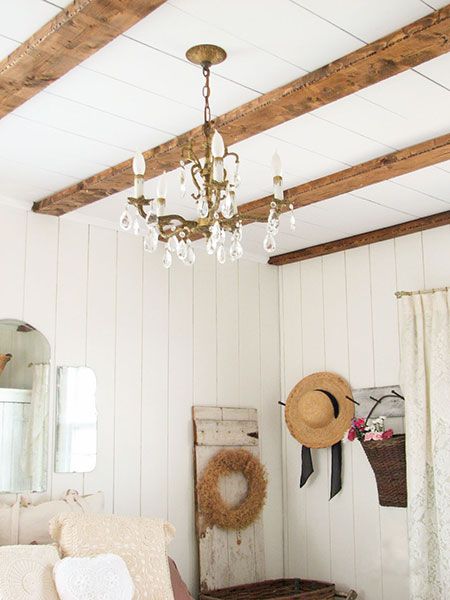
328, 139
367, 19
152, 70
410, 95
362, 116
279, 27
117, 98
7, 46
245, 63
21, 18
437, 69
396, 196
90, 123
31, 143
432, 181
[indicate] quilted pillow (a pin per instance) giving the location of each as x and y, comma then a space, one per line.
26, 572
104, 577
140, 542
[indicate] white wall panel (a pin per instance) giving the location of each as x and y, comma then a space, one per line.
366, 543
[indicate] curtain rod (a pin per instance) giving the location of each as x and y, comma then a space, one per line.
432, 291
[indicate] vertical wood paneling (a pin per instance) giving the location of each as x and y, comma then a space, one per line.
342, 550
40, 297
155, 353
153, 338
317, 490
436, 253
205, 330
127, 421
227, 335
13, 224
269, 417
180, 437
100, 353
368, 543
70, 344
294, 501
365, 497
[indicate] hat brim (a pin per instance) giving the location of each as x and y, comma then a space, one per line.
334, 431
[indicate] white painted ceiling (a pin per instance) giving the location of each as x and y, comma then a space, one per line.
139, 91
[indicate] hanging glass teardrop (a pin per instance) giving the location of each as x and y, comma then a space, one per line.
190, 256
172, 244
136, 226
292, 222
236, 250
150, 243
203, 208
182, 250
211, 245
167, 260
227, 206
221, 255
125, 220
269, 243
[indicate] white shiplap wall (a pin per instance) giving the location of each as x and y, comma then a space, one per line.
158, 342
339, 313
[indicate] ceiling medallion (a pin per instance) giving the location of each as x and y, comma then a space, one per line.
216, 179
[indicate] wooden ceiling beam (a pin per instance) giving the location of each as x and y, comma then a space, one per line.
378, 169
70, 37
362, 239
408, 47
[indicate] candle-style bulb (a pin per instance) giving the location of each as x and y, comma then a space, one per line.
217, 145
276, 165
139, 164
161, 190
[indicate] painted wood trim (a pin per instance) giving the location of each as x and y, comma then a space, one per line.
362, 239
410, 46
64, 42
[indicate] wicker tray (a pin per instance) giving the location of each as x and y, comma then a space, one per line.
276, 589
388, 461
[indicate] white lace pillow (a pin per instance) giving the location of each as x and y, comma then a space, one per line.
26, 572
104, 577
140, 542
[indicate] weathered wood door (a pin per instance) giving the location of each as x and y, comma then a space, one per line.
227, 558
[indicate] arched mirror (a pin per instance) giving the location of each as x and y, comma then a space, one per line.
24, 407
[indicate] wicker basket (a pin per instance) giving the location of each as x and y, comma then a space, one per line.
388, 461
276, 589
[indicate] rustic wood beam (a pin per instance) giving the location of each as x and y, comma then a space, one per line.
362, 239
70, 37
378, 169
408, 47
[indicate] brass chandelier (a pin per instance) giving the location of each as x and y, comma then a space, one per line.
215, 179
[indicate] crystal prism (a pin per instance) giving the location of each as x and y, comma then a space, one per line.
167, 261
269, 243
221, 256
125, 220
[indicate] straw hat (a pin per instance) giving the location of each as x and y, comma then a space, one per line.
317, 411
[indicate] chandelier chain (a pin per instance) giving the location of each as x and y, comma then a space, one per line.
206, 94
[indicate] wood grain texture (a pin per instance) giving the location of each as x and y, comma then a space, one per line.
362, 239
408, 47
64, 42
226, 558
394, 164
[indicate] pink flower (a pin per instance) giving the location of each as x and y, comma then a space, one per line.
351, 435
387, 434
377, 435
368, 436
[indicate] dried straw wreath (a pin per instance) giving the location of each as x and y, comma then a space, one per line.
211, 504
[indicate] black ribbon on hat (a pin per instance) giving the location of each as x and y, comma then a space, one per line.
336, 456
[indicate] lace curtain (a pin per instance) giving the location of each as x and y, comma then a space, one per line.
425, 380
